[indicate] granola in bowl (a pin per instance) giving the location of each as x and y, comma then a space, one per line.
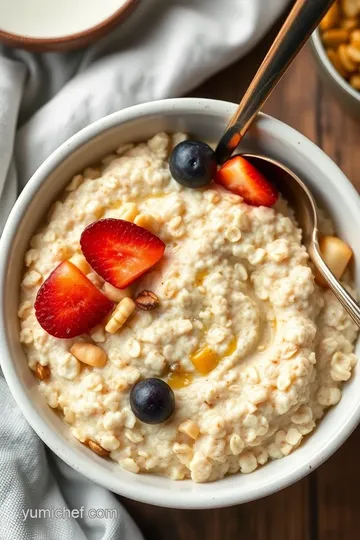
225, 310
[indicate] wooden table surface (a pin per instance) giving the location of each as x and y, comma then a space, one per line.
326, 504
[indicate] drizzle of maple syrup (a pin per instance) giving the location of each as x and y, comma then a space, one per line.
199, 278
205, 360
180, 379
231, 347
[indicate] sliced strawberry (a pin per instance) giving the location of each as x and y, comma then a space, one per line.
120, 251
241, 177
68, 304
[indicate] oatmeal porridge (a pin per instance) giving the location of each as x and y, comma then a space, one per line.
230, 317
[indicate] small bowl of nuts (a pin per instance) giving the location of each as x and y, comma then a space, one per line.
336, 45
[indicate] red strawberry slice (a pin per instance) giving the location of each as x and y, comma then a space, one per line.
68, 304
241, 177
120, 251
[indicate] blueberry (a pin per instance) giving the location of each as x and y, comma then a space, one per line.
152, 401
193, 164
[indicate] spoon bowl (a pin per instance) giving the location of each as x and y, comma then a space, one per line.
302, 20
294, 191
303, 203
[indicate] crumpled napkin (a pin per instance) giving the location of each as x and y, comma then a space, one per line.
163, 50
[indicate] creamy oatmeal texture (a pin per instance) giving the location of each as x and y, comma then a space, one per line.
236, 291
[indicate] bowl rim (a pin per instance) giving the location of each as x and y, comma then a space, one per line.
323, 58
68, 41
161, 496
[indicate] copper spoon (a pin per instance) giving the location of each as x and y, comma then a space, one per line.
303, 19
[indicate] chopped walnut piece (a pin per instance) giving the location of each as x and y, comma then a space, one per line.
147, 301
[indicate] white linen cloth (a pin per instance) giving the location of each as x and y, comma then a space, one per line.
163, 50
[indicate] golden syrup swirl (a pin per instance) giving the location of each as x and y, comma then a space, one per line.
179, 379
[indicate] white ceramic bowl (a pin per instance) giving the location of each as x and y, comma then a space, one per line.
205, 119
59, 24
339, 86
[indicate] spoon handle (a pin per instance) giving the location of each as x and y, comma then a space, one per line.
303, 19
344, 297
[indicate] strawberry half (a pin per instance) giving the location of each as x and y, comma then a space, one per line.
68, 304
120, 251
241, 177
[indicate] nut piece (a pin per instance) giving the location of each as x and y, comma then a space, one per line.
147, 222
81, 263
114, 294
331, 18
120, 315
348, 62
349, 24
351, 8
354, 53
355, 38
355, 82
339, 27
336, 62
336, 254
128, 211
89, 354
42, 372
335, 36
190, 428
99, 450
147, 300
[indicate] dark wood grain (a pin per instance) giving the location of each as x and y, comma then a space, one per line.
338, 493
325, 505
283, 516
302, 101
